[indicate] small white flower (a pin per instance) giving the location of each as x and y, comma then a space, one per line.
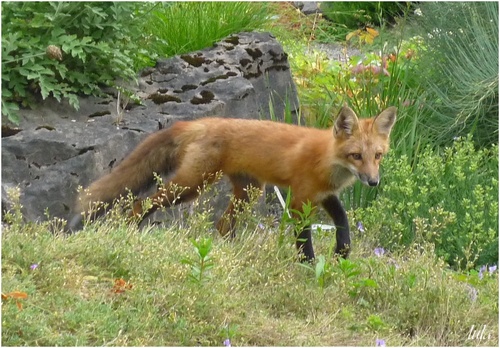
418, 12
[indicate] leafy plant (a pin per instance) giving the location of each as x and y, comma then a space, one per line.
202, 263
63, 49
294, 219
323, 270
341, 271
450, 200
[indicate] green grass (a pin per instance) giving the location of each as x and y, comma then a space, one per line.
180, 27
254, 292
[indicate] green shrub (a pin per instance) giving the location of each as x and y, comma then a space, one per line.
460, 69
449, 199
181, 27
353, 15
64, 49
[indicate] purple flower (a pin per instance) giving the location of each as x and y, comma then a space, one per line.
481, 271
492, 269
379, 252
227, 342
360, 227
379, 343
34, 266
472, 293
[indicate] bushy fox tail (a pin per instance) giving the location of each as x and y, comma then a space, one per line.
156, 154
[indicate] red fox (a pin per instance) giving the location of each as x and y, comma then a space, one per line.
316, 164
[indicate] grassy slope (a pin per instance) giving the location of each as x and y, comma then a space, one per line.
255, 294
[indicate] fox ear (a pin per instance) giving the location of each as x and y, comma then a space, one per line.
346, 122
385, 120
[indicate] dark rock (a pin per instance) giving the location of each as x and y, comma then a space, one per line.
55, 149
307, 7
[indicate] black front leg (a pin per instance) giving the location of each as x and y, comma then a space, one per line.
334, 208
304, 244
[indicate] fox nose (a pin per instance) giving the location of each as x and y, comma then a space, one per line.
373, 182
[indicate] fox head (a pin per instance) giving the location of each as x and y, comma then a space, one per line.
361, 143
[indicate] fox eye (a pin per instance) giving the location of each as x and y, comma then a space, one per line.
356, 156
378, 155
